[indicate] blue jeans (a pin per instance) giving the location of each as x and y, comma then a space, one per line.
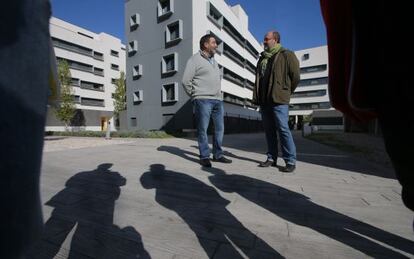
275, 119
204, 110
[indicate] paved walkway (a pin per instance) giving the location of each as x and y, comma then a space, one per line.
149, 197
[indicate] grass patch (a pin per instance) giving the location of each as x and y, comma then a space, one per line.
101, 134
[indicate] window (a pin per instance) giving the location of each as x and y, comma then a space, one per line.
98, 55
251, 49
92, 102
170, 93
134, 22
114, 53
233, 32
165, 8
132, 47
309, 94
214, 15
98, 71
174, 33
249, 66
220, 43
137, 96
233, 55
169, 64
314, 81
133, 122
305, 56
233, 77
113, 80
310, 106
74, 81
115, 67
249, 84
71, 47
76, 99
91, 86
313, 69
229, 98
77, 65
136, 72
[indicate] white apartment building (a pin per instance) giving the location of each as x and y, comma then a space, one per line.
161, 36
312, 91
95, 61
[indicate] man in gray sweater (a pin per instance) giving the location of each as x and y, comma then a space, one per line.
201, 81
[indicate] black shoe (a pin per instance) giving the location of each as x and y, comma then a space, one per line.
205, 162
288, 168
267, 163
223, 160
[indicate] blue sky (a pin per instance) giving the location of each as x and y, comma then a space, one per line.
298, 21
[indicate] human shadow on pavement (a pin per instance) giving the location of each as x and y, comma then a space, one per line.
310, 152
219, 233
86, 208
300, 210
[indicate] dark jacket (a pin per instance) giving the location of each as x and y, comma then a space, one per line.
280, 81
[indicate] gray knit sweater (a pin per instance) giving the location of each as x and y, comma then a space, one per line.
201, 79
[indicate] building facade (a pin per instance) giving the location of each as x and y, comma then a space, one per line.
312, 92
95, 62
161, 36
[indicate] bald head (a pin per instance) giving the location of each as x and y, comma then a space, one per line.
271, 39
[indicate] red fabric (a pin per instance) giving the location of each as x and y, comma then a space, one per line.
338, 20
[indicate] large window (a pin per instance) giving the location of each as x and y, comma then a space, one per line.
214, 15
233, 55
229, 98
170, 93
174, 33
309, 94
310, 106
72, 47
233, 77
313, 69
91, 86
313, 81
92, 102
233, 32
170, 64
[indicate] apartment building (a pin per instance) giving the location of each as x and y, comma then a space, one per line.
95, 62
312, 92
161, 36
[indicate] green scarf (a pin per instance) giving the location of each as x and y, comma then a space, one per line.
266, 55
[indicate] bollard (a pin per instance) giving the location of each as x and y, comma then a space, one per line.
108, 130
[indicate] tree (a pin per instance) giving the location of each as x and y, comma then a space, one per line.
66, 108
120, 95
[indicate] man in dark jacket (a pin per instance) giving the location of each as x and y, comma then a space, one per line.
277, 76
